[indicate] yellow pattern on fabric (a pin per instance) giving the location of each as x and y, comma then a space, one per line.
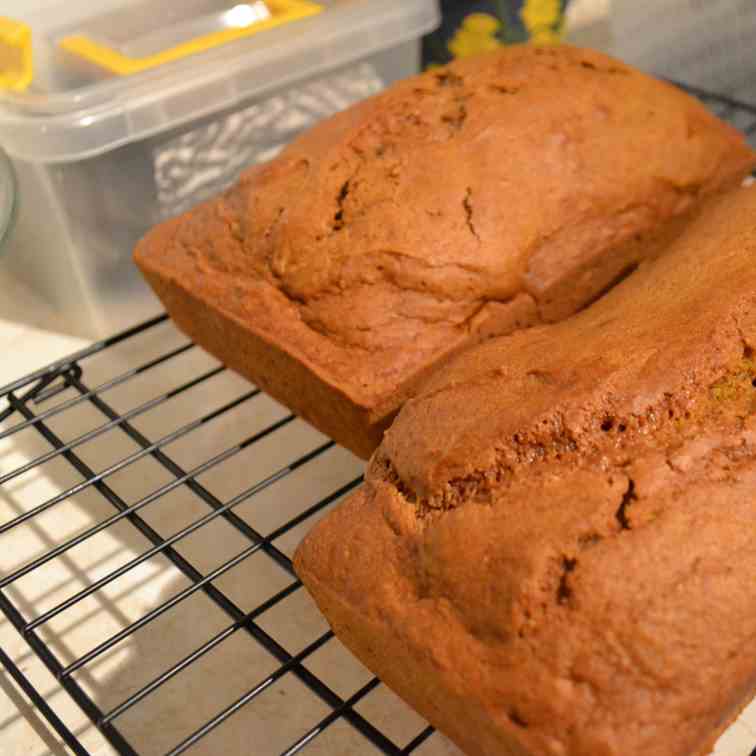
477, 34
543, 20
537, 14
546, 37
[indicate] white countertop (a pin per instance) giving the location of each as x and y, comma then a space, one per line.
27, 337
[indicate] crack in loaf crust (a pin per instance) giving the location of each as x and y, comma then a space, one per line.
463, 203
555, 549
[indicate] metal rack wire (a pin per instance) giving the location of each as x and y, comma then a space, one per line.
47, 405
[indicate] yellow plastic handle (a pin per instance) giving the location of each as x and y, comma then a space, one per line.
16, 69
282, 12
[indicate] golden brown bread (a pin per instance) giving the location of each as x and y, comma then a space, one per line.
466, 202
555, 548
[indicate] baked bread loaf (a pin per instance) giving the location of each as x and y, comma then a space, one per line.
555, 548
467, 202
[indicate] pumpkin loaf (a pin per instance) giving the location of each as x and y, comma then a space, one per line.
470, 201
554, 553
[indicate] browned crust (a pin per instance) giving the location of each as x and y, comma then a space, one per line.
381, 643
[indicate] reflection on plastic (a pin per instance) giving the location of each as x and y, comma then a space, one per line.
244, 15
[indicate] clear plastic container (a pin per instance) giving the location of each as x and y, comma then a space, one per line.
118, 118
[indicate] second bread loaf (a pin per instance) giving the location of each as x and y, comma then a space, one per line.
554, 553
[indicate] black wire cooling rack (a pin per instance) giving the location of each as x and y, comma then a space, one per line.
44, 404
155, 463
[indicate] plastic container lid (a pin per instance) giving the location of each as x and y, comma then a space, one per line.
7, 199
96, 79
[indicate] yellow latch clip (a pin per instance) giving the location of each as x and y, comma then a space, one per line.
281, 12
16, 70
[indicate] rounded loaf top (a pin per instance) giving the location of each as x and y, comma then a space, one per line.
475, 182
